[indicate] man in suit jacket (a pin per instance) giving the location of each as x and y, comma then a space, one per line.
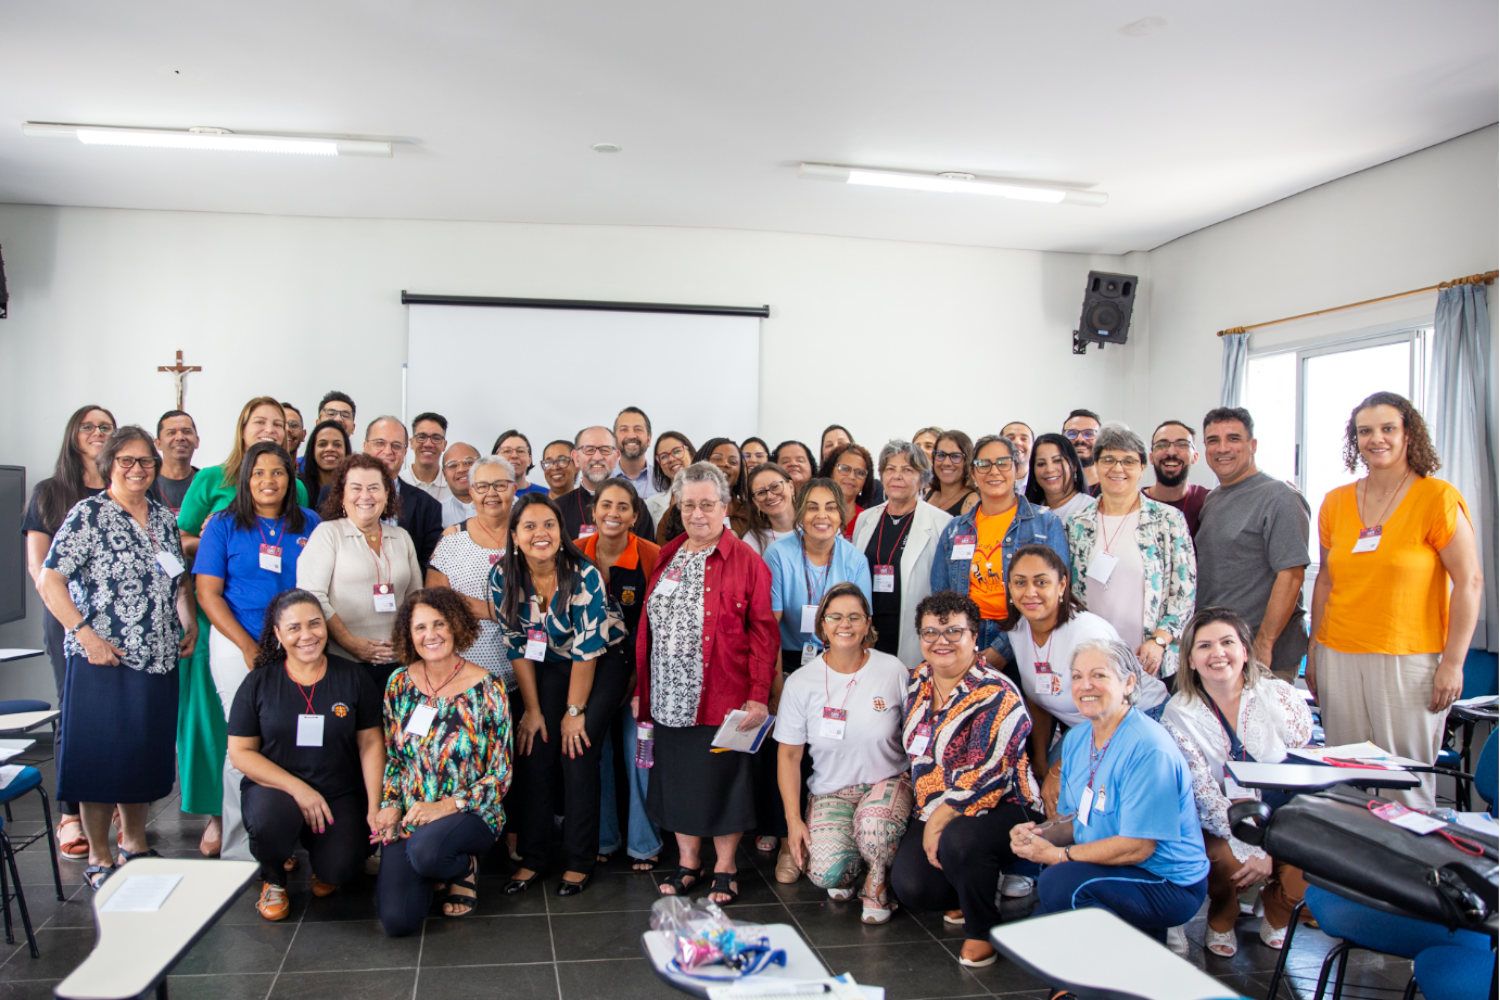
421, 516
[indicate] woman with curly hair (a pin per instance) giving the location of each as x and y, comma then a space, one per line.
447, 764
1389, 637
305, 732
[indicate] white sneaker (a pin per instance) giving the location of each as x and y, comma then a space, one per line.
841, 895
1017, 886
1177, 940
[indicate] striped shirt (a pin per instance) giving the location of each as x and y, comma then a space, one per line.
973, 748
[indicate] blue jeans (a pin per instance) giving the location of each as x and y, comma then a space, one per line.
643, 840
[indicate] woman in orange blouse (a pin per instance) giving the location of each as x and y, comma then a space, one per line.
1389, 637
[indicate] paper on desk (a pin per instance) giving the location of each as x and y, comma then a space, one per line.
729, 736
6, 753
1482, 822
1366, 752
8, 773
140, 893
1478, 701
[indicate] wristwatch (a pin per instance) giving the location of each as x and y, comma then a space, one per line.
461, 803
1163, 643
574, 711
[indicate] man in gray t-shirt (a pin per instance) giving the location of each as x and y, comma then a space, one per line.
1252, 543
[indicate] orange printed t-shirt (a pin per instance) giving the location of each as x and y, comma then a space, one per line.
1393, 600
987, 568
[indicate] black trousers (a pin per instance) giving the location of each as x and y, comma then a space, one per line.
538, 772
973, 850
435, 852
276, 827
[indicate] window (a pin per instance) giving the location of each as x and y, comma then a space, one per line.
1301, 398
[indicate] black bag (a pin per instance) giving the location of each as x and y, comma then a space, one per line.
1333, 836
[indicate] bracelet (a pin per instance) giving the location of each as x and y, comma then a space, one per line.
1068, 853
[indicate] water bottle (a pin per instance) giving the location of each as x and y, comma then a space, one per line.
645, 745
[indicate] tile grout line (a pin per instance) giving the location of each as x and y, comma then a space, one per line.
296, 929
551, 938
421, 944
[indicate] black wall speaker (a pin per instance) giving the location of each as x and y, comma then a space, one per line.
4, 295
1107, 302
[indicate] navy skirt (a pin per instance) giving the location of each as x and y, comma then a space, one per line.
118, 734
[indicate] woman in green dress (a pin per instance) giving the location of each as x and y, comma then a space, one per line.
201, 735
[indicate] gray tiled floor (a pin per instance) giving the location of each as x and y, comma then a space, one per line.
538, 946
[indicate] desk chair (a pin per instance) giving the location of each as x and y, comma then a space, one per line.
1454, 972
29, 780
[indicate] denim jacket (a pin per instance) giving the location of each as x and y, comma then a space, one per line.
1167, 562
1032, 525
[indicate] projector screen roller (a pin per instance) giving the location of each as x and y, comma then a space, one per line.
551, 372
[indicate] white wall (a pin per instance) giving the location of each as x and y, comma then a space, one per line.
881, 336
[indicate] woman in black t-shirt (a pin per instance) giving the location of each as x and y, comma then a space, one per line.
305, 730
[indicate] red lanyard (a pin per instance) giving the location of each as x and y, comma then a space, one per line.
880, 534
262, 529
848, 690
1109, 540
307, 695
1097, 760
1043, 655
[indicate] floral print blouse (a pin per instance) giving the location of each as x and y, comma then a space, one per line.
1168, 565
116, 581
465, 753
578, 631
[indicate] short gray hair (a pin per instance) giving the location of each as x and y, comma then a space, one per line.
700, 472
896, 448
1119, 656
1118, 437
493, 462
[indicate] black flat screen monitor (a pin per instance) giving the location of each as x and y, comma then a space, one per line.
13, 581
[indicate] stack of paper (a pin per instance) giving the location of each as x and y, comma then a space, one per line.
1366, 753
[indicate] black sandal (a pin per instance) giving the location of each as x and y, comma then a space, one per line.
678, 881
644, 864
95, 875
721, 885
467, 902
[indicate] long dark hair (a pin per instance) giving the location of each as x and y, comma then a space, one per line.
56, 496
517, 573
310, 472
671, 520
658, 478
243, 504
867, 491
268, 650
1034, 491
1067, 608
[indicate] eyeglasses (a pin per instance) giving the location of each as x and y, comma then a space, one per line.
498, 486
845, 469
984, 464
459, 463
381, 444
1116, 462
425, 438
707, 506
952, 633
128, 462
556, 463
678, 453
952, 457
333, 414
1081, 435
853, 618
591, 450
92, 429
774, 489
1181, 444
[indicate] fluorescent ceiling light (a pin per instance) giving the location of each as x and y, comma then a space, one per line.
954, 182
216, 139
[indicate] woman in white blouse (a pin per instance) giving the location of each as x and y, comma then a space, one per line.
1228, 707
360, 565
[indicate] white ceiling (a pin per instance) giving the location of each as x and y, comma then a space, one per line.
1221, 109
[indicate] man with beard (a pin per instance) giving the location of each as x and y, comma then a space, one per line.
1172, 456
177, 440
633, 434
1019, 434
1081, 428
594, 453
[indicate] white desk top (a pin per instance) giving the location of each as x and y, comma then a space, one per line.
1253, 774
1095, 953
6, 655
25, 722
134, 950
801, 962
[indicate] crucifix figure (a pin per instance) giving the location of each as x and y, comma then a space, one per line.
179, 373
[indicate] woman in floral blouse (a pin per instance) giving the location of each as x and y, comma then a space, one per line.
1228, 707
447, 743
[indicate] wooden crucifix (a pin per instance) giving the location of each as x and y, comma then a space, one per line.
179, 373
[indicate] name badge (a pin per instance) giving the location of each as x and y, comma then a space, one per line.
810, 619
963, 546
1085, 806
384, 596
1400, 815
1369, 539
421, 720
584, 531
1101, 566
495, 557
310, 730
920, 740
536, 644
1042, 667
809, 652
669, 582
270, 558
885, 579
834, 721
170, 564
1099, 799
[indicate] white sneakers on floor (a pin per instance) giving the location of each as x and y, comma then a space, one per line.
1017, 886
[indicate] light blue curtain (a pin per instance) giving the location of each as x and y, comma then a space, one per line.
1232, 374
1461, 411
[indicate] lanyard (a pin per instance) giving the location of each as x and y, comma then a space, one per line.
1096, 757
1109, 540
149, 530
848, 688
1042, 655
275, 532
381, 560
896, 546
1236, 748
807, 574
307, 695
1386, 512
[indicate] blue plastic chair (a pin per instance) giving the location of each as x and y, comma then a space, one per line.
1456, 972
1484, 773
29, 780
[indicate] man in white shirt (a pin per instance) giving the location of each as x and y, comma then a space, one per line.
429, 436
457, 461
1019, 434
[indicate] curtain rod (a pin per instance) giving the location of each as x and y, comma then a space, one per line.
1487, 278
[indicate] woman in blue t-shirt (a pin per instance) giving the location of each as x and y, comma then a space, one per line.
247, 554
1127, 837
